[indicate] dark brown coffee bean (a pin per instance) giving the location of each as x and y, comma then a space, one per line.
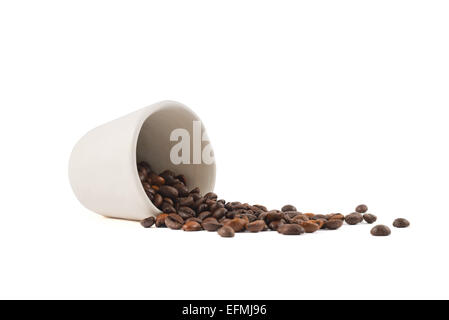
298, 219
160, 220
157, 200
195, 190
319, 216
256, 226
181, 178
333, 224
186, 201
319, 222
273, 216
156, 180
198, 202
226, 232
167, 207
174, 221
211, 196
146, 186
335, 216
195, 196
263, 208
193, 219
167, 173
182, 189
211, 224
288, 207
192, 226
169, 201
237, 224
401, 223
291, 214
219, 213
291, 229
274, 225
204, 214
202, 207
309, 226
186, 212
369, 218
250, 217
380, 231
144, 164
143, 174
168, 191
353, 218
148, 222
361, 208
150, 195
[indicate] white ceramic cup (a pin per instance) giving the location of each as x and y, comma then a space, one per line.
103, 170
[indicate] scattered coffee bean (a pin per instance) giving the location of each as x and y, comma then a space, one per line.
288, 207
361, 208
211, 224
309, 226
354, 218
380, 231
148, 222
336, 216
226, 232
401, 223
174, 221
191, 226
333, 224
168, 191
256, 226
160, 220
369, 218
291, 229
237, 224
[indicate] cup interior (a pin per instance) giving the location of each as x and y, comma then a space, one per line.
154, 145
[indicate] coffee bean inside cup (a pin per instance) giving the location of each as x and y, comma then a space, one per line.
190, 210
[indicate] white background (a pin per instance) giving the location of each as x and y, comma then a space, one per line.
323, 104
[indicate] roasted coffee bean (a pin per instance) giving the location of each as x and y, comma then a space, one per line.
144, 164
333, 224
186, 201
167, 207
211, 224
182, 189
291, 229
157, 201
202, 207
146, 186
198, 202
380, 231
401, 223
204, 214
174, 221
160, 220
195, 196
263, 208
210, 195
255, 226
335, 216
354, 218
250, 217
169, 201
309, 226
142, 175
181, 178
291, 214
319, 222
309, 215
155, 187
195, 190
237, 224
219, 213
155, 179
231, 214
361, 208
150, 195
148, 222
168, 191
319, 216
226, 232
191, 226
193, 219
274, 225
167, 173
186, 212
300, 218
288, 207
369, 218
273, 216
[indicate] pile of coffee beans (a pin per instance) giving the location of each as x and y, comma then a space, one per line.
189, 210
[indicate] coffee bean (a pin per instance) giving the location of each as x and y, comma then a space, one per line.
174, 221
291, 229
168, 191
202, 207
181, 178
157, 200
309, 215
335, 216
191, 226
333, 224
148, 222
401, 223
146, 186
288, 207
204, 214
353, 218
182, 189
210, 195
144, 164
298, 219
167, 208
255, 226
185, 201
160, 220
195, 190
169, 201
361, 208
263, 208
274, 225
273, 216
369, 218
250, 217
380, 231
319, 222
156, 180
309, 226
186, 212
219, 213
211, 224
226, 232
193, 219
237, 224
319, 216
